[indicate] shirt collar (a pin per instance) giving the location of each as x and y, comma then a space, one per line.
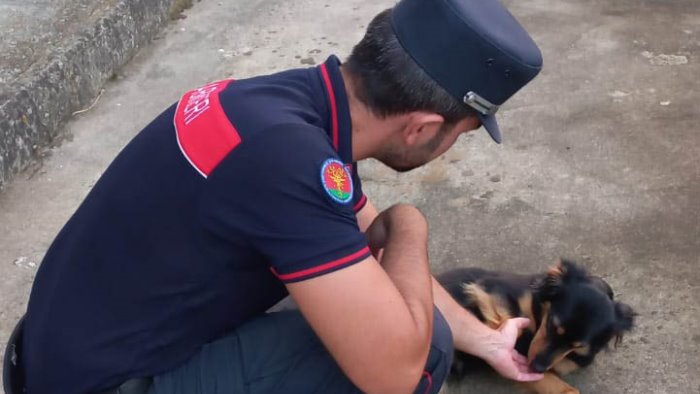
339, 123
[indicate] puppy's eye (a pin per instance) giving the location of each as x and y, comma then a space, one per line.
556, 321
556, 324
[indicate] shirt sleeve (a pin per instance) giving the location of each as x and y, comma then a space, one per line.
285, 194
358, 199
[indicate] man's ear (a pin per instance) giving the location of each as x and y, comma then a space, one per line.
422, 126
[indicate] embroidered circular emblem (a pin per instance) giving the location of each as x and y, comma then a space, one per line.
336, 180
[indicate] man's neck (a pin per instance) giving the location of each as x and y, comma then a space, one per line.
369, 132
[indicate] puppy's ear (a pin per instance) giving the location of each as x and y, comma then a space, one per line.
572, 272
624, 320
550, 285
603, 286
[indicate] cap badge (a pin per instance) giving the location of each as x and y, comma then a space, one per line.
480, 104
336, 180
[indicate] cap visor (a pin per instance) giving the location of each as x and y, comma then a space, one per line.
490, 124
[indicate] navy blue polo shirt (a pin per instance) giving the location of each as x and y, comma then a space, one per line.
239, 188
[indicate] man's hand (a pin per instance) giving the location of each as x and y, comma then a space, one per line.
499, 352
376, 234
398, 219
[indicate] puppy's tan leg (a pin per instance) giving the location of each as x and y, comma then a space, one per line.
490, 306
550, 384
564, 367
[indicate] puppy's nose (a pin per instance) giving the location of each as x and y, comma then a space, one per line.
538, 366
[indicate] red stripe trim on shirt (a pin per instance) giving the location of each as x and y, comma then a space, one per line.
334, 108
322, 267
428, 376
360, 204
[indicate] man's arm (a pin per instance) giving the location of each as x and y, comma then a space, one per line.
376, 320
366, 216
470, 335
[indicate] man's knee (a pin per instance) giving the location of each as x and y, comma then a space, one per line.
440, 356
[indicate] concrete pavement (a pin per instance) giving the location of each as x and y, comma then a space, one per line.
55, 55
599, 162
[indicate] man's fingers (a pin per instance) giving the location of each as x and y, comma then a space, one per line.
521, 322
529, 377
524, 368
519, 358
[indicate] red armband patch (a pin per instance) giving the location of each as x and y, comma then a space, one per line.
204, 132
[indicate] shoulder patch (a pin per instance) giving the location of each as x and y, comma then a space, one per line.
203, 131
336, 181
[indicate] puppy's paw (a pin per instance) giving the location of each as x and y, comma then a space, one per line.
549, 384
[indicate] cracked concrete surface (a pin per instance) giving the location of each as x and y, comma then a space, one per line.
55, 55
599, 163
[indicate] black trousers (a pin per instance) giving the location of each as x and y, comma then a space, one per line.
280, 353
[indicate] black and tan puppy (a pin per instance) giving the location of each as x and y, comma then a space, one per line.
572, 317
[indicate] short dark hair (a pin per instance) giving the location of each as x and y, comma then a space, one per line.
389, 82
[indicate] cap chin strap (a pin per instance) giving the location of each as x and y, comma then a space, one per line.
480, 104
